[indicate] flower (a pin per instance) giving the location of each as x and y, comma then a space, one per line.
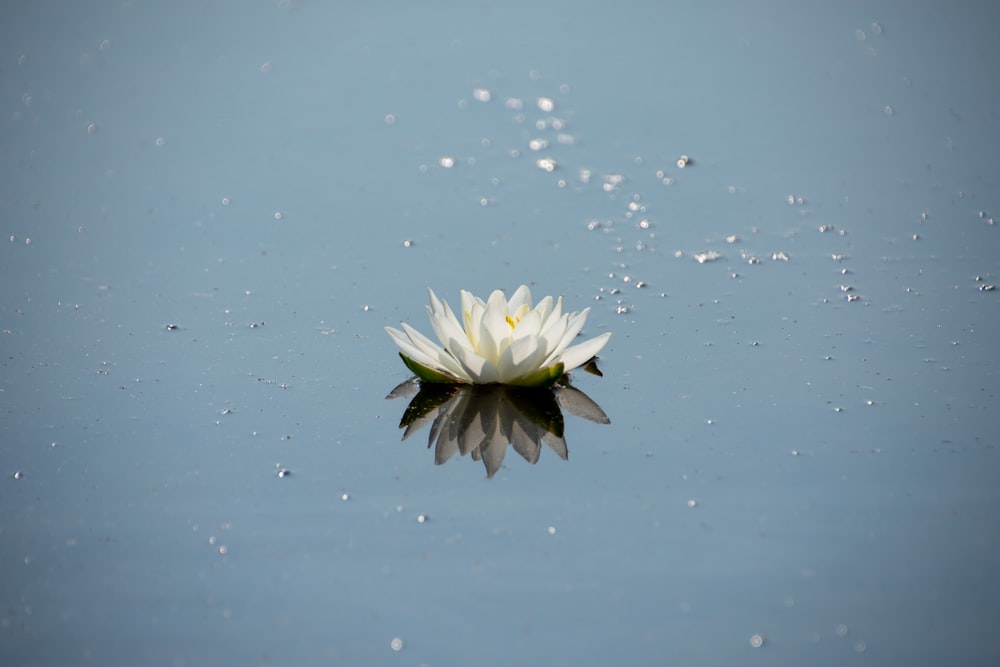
499, 341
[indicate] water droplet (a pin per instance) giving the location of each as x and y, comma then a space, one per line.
422, 518
552, 530
447, 162
390, 119
546, 164
284, 472
888, 110
18, 475
546, 104
692, 503
482, 94
757, 640
160, 141
407, 243
707, 256
684, 161
396, 644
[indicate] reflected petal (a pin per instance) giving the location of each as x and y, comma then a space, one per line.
578, 403
483, 420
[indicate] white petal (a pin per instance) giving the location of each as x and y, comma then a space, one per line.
447, 329
529, 326
555, 318
544, 308
521, 296
523, 357
582, 353
494, 325
430, 355
473, 319
574, 323
422, 357
481, 370
553, 336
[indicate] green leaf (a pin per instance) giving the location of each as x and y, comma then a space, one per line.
546, 377
427, 374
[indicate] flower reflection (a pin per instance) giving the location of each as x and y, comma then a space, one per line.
481, 420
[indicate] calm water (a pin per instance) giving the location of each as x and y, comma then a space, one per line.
210, 214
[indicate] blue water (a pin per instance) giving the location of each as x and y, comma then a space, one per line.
211, 212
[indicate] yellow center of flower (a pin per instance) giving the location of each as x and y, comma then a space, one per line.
513, 321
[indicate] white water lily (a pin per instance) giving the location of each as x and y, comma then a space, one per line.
498, 341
